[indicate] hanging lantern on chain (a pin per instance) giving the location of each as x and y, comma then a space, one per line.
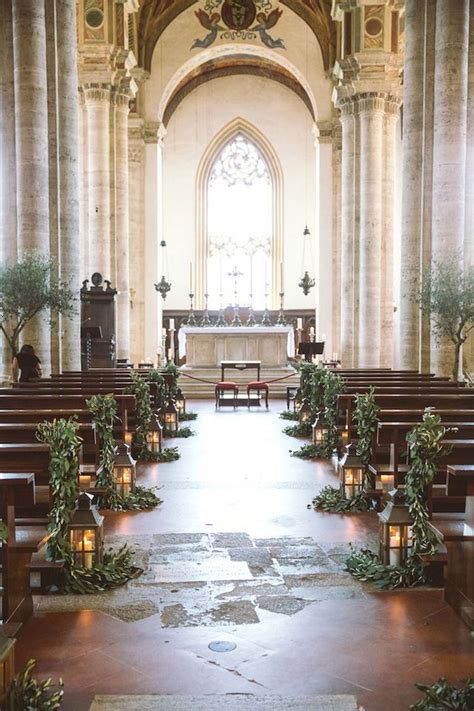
306, 282
163, 285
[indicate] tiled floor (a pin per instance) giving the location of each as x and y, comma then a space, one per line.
237, 476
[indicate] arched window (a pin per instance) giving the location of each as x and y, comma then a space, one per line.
240, 216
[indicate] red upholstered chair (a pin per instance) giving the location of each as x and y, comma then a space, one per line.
226, 386
259, 386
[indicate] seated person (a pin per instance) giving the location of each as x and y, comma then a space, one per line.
28, 363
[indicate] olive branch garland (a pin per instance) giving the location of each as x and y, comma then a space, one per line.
365, 417
117, 568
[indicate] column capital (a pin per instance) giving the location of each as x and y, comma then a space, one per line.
154, 132
371, 101
92, 92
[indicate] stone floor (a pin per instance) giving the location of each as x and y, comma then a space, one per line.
235, 555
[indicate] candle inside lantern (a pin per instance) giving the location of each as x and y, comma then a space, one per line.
88, 547
349, 481
387, 482
85, 481
395, 541
299, 324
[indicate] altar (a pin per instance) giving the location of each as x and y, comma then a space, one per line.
207, 347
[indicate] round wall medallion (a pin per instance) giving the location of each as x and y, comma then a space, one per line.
96, 279
221, 646
94, 17
374, 27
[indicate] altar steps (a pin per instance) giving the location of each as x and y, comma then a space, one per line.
194, 388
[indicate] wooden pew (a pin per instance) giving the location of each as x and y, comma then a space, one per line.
23, 541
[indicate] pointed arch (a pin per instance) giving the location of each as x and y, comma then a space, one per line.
238, 126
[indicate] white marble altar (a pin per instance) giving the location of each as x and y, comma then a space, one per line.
207, 347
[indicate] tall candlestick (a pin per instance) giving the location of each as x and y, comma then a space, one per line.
191, 277
281, 276
220, 275
171, 324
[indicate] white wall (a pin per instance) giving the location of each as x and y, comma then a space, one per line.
286, 123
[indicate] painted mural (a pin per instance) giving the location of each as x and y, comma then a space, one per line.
238, 20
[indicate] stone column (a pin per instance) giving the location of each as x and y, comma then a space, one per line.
348, 123
31, 132
449, 143
8, 246
336, 231
412, 197
391, 126
122, 102
68, 165
136, 156
469, 213
371, 116
97, 102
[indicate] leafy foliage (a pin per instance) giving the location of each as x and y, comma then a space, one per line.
309, 451
333, 386
446, 295
61, 436
103, 409
28, 694
169, 454
116, 569
303, 429
27, 287
183, 432
365, 416
3, 532
365, 565
441, 696
426, 448
141, 389
334, 501
288, 415
188, 416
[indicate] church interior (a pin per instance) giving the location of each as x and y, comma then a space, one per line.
237, 355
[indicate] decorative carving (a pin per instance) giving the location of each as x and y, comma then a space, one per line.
96, 92
238, 17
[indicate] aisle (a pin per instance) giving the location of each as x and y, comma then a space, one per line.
234, 555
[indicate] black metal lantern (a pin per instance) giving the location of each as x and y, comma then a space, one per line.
154, 436
86, 532
305, 414
163, 286
306, 282
297, 401
169, 417
396, 536
180, 402
352, 475
124, 470
320, 432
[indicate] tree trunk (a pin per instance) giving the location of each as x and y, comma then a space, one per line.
457, 351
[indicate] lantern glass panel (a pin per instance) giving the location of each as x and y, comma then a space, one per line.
352, 480
84, 546
345, 437
180, 403
123, 479
320, 433
153, 441
171, 421
396, 543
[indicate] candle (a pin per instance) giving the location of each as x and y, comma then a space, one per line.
334, 356
88, 557
281, 276
311, 331
395, 551
387, 482
163, 331
171, 324
190, 277
299, 324
170, 353
84, 481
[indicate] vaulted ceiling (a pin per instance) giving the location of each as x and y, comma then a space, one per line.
156, 15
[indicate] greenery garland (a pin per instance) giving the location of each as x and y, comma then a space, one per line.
187, 416
289, 415
309, 451
365, 565
61, 436
28, 694
334, 500
441, 696
116, 569
365, 417
333, 386
141, 389
103, 409
183, 432
169, 454
425, 443
303, 429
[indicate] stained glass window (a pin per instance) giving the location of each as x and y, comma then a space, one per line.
240, 226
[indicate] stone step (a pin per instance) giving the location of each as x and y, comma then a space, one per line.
232, 702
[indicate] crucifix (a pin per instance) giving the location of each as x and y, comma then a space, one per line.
235, 274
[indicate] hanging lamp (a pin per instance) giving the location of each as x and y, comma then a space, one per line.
163, 285
306, 282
